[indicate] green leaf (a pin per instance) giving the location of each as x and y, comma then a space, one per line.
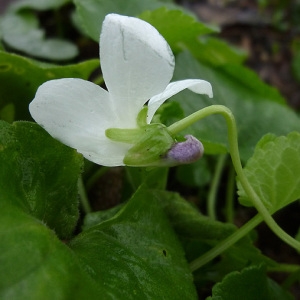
95, 218
20, 31
39, 175
274, 171
91, 13
20, 77
168, 113
251, 283
36, 265
132, 253
258, 108
178, 28
240, 255
216, 52
182, 31
199, 233
136, 254
188, 222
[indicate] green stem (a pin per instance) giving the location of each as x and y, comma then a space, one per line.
291, 279
83, 196
212, 196
235, 156
98, 80
229, 211
226, 243
93, 179
286, 268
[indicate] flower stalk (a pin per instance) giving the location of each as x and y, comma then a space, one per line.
235, 156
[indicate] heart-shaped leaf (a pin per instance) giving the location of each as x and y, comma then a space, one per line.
274, 171
29, 178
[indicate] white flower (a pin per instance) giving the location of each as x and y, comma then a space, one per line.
137, 65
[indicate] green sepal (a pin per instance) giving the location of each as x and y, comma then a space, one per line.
129, 136
151, 147
142, 117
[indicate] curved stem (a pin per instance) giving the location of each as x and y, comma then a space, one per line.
226, 243
235, 156
211, 201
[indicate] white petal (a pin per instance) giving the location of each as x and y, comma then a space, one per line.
196, 85
77, 112
136, 61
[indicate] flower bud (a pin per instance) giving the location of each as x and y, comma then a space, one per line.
185, 152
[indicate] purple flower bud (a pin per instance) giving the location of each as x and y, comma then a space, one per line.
185, 152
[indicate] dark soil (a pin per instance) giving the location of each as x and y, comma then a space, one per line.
254, 30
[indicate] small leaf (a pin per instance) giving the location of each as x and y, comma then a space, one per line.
39, 175
274, 171
20, 32
251, 283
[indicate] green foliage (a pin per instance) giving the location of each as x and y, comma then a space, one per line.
23, 76
140, 249
202, 232
38, 4
20, 31
274, 171
130, 251
41, 195
36, 265
188, 30
250, 284
91, 13
29, 177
